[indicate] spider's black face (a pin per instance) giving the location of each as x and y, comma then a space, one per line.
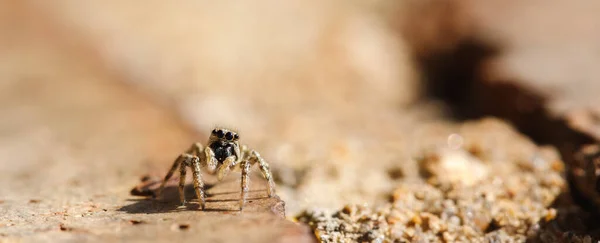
222, 150
223, 143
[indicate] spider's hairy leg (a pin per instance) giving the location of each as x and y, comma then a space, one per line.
266, 172
225, 167
211, 161
176, 164
245, 166
198, 182
195, 149
182, 171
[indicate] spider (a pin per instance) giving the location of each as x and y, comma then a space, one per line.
222, 154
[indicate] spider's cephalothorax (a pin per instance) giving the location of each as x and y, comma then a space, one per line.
222, 154
224, 143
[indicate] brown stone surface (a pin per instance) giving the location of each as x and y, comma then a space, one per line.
300, 92
482, 187
549, 70
74, 142
96, 95
535, 64
550, 56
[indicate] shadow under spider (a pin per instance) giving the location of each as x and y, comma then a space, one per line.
169, 201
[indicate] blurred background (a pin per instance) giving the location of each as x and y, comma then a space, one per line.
345, 99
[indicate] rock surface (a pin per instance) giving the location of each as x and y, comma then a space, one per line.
507, 204
74, 141
96, 95
534, 64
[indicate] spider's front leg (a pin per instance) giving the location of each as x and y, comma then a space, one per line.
176, 163
254, 157
196, 163
182, 171
198, 182
182, 162
245, 166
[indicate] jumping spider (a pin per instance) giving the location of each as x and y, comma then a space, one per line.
222, 154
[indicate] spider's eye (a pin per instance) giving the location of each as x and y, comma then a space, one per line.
220, 134
229, 136
236, 137
214, 131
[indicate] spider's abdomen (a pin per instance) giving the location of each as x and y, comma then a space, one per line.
222, 150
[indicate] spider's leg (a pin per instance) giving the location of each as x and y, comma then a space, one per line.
195, 149
245, 166
224, 169
198, 182
176, 163
266, 172
182, 171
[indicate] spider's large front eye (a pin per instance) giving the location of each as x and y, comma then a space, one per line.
229, 136
220, 134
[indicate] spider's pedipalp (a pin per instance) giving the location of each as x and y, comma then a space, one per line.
224, 169
210, 160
